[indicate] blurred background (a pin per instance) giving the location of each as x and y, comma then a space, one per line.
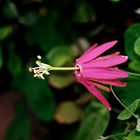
60, 31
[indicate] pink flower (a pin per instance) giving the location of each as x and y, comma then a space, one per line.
96, 70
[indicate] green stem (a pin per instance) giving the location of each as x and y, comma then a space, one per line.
113, 136
64, 68
134, 74
122, 103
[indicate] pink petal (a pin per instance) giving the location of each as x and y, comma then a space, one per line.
101, 86
96, 93
80, 59
114, 82
103, 73
107, 56
95, 52
106, 62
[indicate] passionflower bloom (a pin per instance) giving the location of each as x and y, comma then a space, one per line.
96, 71
92, 70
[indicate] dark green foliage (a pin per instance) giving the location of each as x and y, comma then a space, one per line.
60, 31
44, 32
131, 36
89, 128
39, 96
131, 92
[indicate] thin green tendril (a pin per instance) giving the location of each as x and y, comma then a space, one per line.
122, 103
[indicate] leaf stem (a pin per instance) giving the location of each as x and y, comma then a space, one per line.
122, 103
134, 74
113, 136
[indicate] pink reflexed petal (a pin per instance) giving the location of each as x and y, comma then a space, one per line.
81, 59
96, 93
107, 56
106, 62
97, 51
103, 73
114, 82
101, 86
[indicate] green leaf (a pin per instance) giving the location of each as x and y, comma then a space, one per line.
131, 35
4, 32
10, 10
1, 58
84, 13
134, 65
20, 128
124, 115
137, 46
60, 56
60, 81
68, 112
14, 63
129, 93
94, 124
29, 18
44, 32
38, 94
133, 135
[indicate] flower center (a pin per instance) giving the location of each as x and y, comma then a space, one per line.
78, 72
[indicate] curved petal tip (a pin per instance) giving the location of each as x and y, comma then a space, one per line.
112, 43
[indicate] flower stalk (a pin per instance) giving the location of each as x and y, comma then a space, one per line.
63, 68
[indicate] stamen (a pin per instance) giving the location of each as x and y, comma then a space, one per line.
41, 69
39, 57
30, 69
45, 68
